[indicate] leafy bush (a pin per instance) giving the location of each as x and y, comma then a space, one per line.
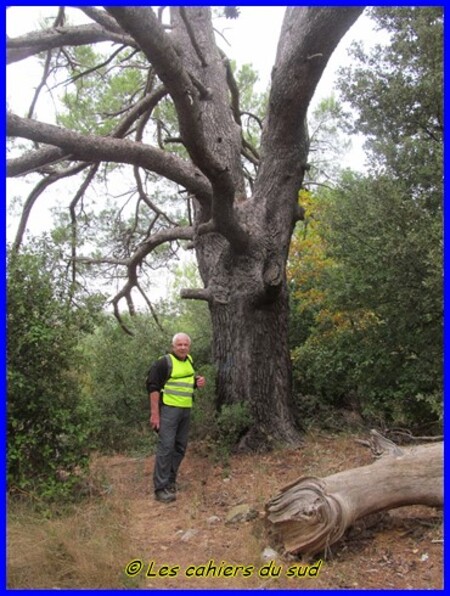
366, 288
232, 421
48, 422
115, 382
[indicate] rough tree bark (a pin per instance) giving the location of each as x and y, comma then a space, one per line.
311, 514
241, 234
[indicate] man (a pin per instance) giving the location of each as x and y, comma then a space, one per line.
171, 382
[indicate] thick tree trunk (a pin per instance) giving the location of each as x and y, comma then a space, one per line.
254, 367
248, 302
313, 513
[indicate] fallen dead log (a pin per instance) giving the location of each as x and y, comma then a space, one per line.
311, 514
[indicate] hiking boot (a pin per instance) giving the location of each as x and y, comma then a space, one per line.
165, 496
172, 487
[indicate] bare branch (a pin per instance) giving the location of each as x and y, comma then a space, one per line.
144, 106
34, 195
145, 248
134, 262
102, 18
144, 197
150, 306
250, 152
182, 85
247, 150
295, 75
143, 25
41, 85
254, 117
78, 195
166, 235
95, 68
94, 148
196, 294
46, 156
36, 42
234, 90
206, 228
34, 160
306, 31
381, 445
115, 302
103, 261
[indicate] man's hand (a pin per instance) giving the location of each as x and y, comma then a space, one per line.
200, 382
154, 411
154, 421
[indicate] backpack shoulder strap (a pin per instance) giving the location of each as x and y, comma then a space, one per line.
169, 365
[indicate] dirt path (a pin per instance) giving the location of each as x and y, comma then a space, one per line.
187, 544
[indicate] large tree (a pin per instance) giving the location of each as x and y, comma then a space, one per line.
241, 220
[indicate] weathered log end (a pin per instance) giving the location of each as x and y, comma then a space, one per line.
307, 518
311, 514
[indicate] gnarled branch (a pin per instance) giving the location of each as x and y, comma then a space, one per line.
182, 85
94, 148
34, 43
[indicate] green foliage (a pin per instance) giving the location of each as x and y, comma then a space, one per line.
48, 422
375, 297
327, 142
372, 304
390, 267
397, 92
232, 421
226, 427
99, 93
366, 272
253, 105
223, 431
166, 120
115, 382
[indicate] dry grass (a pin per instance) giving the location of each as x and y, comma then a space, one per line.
76, 550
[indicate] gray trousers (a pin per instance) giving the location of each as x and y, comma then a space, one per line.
173, 439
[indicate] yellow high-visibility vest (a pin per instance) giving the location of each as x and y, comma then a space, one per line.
179, 387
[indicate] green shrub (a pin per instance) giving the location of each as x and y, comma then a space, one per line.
48, 422
232, 421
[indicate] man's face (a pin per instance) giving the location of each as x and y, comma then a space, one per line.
181, 347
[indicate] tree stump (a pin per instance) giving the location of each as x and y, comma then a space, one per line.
312, 513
